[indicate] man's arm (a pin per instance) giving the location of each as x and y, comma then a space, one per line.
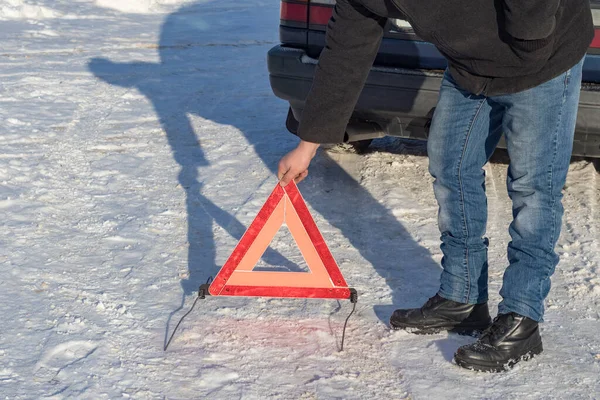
530, 20
352, 42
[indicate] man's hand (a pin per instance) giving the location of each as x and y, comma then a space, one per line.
294, 165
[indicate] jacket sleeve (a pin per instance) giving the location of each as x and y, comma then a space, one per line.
530, 20
352, 41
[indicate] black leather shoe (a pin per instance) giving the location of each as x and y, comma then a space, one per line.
510, 339
439, 314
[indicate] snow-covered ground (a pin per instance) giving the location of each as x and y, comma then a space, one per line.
139, 139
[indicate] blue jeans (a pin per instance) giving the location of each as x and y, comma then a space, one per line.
538, 125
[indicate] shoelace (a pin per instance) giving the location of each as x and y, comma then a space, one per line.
430, 302
498, 328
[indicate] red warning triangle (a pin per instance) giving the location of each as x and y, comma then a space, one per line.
284, 206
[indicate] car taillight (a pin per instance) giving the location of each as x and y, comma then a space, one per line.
596, 42
320, 11
294, 12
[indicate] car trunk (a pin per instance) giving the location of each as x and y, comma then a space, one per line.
303, 25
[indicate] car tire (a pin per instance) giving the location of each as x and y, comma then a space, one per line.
361, 146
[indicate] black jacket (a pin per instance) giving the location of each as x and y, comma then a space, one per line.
493, 47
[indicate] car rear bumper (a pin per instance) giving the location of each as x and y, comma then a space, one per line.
400, 102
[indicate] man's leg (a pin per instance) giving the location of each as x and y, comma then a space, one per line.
464, 132
539, 125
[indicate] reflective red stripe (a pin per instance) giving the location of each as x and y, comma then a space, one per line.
596, 42
301, 293
293, 12
320, 15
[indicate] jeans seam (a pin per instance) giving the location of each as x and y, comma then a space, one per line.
551, 171
555, 151
462, 198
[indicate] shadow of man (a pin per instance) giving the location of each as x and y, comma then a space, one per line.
212, 64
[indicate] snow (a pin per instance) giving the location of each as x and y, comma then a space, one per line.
44, 9
138, 6
18, 9
140, 138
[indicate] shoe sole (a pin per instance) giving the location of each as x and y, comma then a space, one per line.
495, 367
467, 330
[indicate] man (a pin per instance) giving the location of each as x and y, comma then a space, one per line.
514, 68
